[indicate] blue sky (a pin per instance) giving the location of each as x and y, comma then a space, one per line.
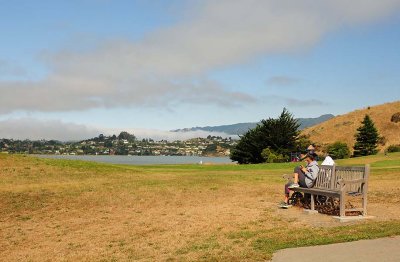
91, 66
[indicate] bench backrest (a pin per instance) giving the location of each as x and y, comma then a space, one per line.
329, 178
324, 177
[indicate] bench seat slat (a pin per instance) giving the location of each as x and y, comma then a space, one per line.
315, 191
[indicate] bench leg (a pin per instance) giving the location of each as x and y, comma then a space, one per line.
364, 204
342, 205
312, 202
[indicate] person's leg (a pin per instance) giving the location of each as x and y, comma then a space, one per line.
296, 178
296, 172
302, 179
287, 191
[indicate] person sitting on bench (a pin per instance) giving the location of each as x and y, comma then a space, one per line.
303, 176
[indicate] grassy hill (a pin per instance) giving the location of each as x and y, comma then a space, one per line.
343, 127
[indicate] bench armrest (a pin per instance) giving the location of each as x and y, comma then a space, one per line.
344, 183
355, 181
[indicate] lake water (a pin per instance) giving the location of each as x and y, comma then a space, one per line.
145, 160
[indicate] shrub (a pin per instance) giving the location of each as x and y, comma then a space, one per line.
338, 150
382, 140
395, 117
272, 157
393, 148
303, 142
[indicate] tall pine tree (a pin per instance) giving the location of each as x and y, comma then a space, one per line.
366, 138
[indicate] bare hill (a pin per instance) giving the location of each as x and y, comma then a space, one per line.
344, 127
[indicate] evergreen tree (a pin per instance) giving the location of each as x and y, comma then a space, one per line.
366, 138
248, 150
279, 135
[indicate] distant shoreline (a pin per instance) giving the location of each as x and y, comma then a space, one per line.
144, 160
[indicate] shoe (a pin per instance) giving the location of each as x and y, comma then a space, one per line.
283, 205
294, 185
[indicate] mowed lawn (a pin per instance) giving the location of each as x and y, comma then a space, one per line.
57, 210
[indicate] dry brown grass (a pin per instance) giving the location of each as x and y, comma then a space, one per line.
71, 211
344, 127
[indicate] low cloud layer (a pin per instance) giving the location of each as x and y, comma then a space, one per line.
34, 129
169, 66
158, 135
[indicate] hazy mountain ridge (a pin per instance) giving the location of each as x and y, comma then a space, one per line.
241, 128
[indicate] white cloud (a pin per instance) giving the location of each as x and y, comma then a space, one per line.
169, 66
294, 102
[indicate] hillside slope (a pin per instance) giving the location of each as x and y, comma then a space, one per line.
344, 127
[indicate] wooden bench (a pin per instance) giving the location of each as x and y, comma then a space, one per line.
340, 182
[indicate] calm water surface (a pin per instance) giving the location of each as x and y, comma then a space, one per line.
146, 160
